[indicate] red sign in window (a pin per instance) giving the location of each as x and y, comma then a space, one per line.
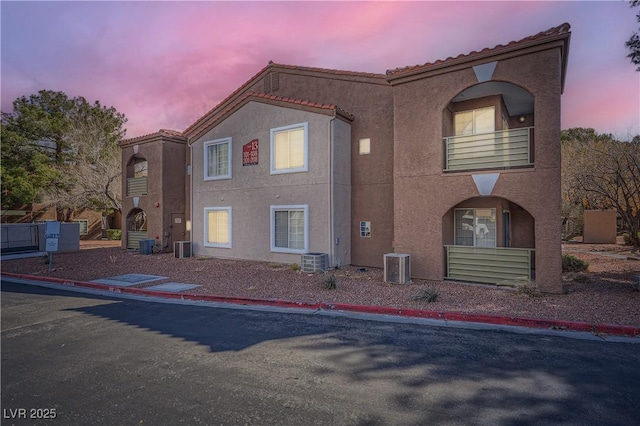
250, 153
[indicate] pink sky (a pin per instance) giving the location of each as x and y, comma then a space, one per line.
164, 64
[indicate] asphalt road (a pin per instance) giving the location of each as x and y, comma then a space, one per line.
88, 359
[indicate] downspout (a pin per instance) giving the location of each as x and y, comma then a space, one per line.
332, 260
190, 171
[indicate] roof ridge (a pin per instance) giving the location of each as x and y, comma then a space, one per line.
328, 70
297, 102
554, 31
161, 132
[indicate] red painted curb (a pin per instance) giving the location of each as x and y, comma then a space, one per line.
611, 329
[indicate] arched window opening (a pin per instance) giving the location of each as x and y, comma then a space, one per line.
489, 126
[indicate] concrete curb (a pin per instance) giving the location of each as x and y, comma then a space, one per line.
608, 329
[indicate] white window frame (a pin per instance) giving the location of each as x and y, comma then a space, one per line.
305, 166
364, 146
86, 226
205, 227
206, 158
298, 207
365, 229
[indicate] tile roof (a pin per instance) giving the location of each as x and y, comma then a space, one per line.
551, 33
205, 117
159, 133
248, 96
329, 71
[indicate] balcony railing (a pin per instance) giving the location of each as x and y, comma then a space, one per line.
134, 237
137, 186
497, 150
492, 265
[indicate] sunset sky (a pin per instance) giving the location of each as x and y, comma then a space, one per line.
164, 64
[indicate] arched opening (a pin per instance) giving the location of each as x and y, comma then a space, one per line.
489, 240
137, 172
489, 126
136, 228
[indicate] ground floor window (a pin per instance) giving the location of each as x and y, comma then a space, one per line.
217, 227
475, 227
290, 229
365, 228
84, 226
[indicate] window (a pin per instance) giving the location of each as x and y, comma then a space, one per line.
475, 227
290, 229
84, 226
475, 121
364, 146
365, 229
217, 159
217, 227
140, 168
289, 146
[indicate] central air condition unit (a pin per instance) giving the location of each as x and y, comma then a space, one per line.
397, 268
182, 249
314, 262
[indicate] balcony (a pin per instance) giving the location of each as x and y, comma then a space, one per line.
498, 150
491, 265
137, 186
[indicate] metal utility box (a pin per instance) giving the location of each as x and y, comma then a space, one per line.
397, 268
146, 246
314, 262
182, 249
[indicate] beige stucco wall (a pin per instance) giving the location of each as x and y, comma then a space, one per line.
370, 100
599, 227
423, 193
253, 189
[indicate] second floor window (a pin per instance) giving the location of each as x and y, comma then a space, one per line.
289, 146
474, 122
217, 159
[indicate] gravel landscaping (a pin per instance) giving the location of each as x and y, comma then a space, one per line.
603, 295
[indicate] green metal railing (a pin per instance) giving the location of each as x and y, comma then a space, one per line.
137, 186
497, 150
134, 237
493, 265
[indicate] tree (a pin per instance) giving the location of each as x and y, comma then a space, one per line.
71, 138
25, 171
633, 44
600, 172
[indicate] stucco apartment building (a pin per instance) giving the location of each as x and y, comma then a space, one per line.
455, 162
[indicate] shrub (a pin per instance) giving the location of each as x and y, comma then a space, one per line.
428, 294
294, 267
627, 239
331, 282
114, 234
527, 288
573, 264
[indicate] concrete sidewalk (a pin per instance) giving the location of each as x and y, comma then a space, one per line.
602, 331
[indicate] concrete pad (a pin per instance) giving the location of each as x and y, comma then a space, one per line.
173, 287
129, 280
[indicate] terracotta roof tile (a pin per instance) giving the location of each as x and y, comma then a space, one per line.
207, 116
212, 120
550, 33
159, 133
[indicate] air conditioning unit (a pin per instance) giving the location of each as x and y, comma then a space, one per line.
314, 262
182, 249
397, 268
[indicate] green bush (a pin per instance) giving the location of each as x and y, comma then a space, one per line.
573, 264
294, 267
627, 240
114, 234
